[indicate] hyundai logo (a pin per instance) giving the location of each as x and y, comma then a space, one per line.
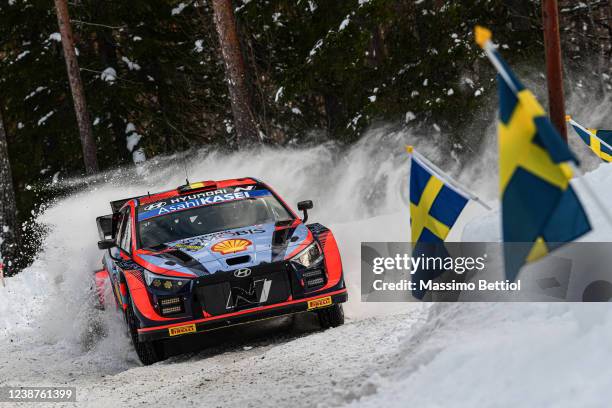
242, 273
155, 206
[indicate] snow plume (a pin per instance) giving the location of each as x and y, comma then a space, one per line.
48, 309
359, 192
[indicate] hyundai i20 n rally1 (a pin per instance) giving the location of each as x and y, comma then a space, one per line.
214, 254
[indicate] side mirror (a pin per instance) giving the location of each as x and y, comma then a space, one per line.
106, 244
305, 206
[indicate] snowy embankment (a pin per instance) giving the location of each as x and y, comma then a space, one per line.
507, 354
386, 355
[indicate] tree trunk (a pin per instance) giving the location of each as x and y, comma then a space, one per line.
235, 73
554, 65
9, 233
333, 112
76, 86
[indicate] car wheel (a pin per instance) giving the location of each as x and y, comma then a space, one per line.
331, 317
149, 352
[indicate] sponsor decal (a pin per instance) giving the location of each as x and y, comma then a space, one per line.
116, 287
183, 198
247, 188
129, 265
240, 296
242, 273
154, 206
196, 200
187, 197
231, 246
177, 331
193, 248
198, 243
228, 234
319, 303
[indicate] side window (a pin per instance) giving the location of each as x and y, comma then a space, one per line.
120, 227
126, 240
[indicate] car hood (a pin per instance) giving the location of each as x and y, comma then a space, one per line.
227, 250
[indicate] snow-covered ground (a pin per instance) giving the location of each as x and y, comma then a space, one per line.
386, 355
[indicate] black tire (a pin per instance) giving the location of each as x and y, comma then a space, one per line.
149, 352
332, 316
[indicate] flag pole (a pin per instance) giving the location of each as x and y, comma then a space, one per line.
443, 176
554, 65
483, 39
578, 125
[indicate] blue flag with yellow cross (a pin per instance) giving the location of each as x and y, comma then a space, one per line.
539, 206
600, 141
435, 206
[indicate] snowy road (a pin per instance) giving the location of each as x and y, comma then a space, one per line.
280, 362
294, 369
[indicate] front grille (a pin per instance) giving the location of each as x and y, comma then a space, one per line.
225, 293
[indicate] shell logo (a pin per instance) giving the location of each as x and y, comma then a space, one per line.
231, 246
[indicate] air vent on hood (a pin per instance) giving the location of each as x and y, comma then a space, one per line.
182, 256
238, 260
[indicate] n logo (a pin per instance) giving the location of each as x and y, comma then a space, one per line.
258, 292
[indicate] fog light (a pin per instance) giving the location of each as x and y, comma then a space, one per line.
171, 310
311, 274
170, 301
314, 282
312, 278
171, 305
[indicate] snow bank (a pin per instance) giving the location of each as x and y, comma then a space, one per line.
503, 354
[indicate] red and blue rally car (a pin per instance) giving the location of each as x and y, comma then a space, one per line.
213, 254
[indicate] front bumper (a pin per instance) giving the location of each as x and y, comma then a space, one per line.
320, 300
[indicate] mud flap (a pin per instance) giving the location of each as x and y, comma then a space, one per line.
101, 278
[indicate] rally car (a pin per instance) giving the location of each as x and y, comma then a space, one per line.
214, 254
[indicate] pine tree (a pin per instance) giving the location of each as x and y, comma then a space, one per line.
235, 72
78, 93
9, 233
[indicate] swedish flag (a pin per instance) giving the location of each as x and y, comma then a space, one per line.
434, 209
539, 206
434, 205
600, 141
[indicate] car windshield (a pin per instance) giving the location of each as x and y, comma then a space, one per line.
211, 218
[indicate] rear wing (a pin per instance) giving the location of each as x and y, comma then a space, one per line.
116, 205
105, 226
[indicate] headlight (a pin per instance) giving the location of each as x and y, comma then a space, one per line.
309, 256
166, 283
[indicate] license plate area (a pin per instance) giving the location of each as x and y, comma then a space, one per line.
235, 294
